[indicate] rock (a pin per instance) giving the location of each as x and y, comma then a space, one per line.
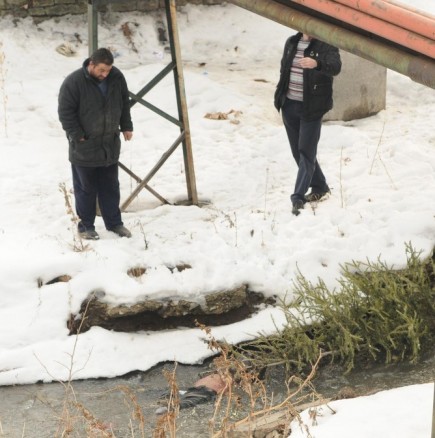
60, 279
66, 49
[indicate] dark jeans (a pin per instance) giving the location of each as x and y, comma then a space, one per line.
90, 182
304, 137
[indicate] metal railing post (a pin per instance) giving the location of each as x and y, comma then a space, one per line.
171, 14
92, 26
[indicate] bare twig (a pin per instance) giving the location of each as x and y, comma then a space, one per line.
378, 146
288, 400
235, 226
78, 244
239, 375
377, 154
341, 178
145, 240
137, 413
2, 87
265, 193
167, 422
66, 420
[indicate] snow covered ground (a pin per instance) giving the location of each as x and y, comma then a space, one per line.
399, 413
381, 170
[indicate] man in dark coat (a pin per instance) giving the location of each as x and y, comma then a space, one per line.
304, 95
94, 109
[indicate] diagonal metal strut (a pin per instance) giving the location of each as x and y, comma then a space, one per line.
152, 172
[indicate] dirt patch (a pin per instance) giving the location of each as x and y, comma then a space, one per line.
216, 308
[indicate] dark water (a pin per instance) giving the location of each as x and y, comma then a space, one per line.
35, 410
377, 377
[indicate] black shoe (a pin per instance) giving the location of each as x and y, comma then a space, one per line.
191, 397
89, 235
121, 231
316, 196
195, 396
187, 399
297, 205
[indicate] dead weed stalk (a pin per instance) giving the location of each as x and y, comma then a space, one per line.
78, 245
166, 424
142, 231
67, 418
94, 427
2, 87
72, 411
245, 401
137, 412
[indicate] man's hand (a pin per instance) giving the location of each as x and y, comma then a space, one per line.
127, 135
308, 63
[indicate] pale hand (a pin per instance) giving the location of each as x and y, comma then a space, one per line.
127, 135
308, 63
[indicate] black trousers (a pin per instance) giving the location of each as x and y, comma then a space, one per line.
90, 183
303, 137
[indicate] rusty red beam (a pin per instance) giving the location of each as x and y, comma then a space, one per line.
389, 11
419, 68
411, 9
343, 11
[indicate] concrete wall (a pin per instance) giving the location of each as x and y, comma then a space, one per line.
41, 9
359, 90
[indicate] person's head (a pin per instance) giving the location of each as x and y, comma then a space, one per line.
100, 64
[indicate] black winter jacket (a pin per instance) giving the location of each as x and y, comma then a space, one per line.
317, 81
86, 113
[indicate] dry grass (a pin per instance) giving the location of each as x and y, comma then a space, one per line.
242, 407
78, 245
166, 425
245, 403
75, 417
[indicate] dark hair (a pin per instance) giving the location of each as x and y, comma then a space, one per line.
102, 56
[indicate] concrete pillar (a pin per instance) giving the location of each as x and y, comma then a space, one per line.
359, 90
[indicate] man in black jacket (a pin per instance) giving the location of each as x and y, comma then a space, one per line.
304, 95
93, 109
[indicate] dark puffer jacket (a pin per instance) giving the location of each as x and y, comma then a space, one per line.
317, 81
85, 113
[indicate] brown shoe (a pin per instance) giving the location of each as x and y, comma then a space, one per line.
316, 196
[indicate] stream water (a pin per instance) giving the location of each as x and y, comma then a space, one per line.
34, 411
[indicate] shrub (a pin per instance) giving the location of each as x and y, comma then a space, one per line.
376, 313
